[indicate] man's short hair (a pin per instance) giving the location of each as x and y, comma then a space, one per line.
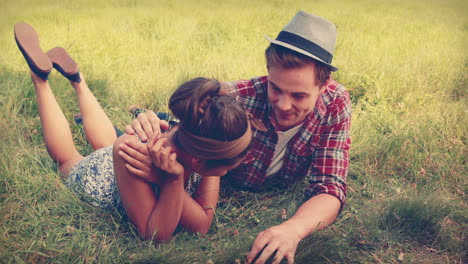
289, 59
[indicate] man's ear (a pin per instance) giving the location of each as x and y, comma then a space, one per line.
322, 89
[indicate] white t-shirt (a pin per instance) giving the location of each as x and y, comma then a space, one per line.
283, 138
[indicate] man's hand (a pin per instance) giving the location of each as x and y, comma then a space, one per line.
281, 238
146, 125
316, 213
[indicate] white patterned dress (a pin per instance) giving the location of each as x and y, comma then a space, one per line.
94, 176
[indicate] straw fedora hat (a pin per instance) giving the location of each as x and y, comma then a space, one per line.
310, 35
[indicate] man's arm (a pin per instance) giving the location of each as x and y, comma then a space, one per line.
315, 214
327, 189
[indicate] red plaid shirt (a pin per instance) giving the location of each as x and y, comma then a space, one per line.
318, 151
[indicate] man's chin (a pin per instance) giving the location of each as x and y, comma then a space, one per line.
284, 124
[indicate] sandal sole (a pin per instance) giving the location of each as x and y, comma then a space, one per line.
28, 42
60, 58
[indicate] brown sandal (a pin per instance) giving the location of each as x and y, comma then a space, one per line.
64, 63
27, 40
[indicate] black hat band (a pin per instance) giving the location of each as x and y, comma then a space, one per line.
305, 45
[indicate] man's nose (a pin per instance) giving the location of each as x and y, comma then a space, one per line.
284, 103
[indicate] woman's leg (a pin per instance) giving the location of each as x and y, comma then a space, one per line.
97, 126
55, 128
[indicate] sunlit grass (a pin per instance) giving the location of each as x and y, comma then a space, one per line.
404, 63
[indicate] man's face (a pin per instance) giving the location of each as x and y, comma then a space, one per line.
292, 94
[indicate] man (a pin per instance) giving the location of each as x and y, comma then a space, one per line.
307, 117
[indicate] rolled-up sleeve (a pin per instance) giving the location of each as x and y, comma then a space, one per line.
329, 168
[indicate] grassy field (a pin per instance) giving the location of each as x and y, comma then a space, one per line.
404, 62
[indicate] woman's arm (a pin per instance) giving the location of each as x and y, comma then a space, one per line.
154, 218
198, 212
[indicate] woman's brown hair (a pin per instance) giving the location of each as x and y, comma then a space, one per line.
203, 112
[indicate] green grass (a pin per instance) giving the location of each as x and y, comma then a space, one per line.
404, 62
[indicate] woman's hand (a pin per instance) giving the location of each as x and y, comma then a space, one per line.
165, 158
138, 161
146, 125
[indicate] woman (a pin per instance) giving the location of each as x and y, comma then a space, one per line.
154, 187
213, 137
